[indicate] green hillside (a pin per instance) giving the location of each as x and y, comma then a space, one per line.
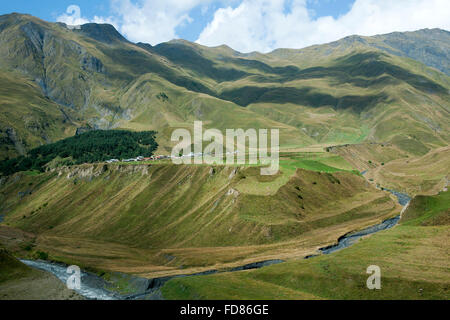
428, 46
168, 219
356, 116
428, 211
20, 282
413, 258
346, 92
11, 268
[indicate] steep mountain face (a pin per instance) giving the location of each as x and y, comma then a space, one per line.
431, 47
428, 46
62, 78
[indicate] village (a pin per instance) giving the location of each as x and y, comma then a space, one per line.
154, 158
164, 157
140, 159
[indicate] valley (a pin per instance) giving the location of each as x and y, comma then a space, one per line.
296, 228
361, 120
413, 257
157, 217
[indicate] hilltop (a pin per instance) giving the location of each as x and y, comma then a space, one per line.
428, 46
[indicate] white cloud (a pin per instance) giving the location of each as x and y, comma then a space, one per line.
153, 21
264, 25
73, 17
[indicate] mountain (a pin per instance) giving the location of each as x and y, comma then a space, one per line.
431, 47
59, 79
355, 114
428, 46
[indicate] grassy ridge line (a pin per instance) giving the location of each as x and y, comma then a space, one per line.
149, 198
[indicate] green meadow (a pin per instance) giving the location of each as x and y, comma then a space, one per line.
413, 258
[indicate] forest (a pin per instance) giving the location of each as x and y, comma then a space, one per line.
89, 147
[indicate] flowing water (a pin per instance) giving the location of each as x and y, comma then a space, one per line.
350, 239
92, 287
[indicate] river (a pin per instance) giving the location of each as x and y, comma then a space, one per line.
92, 287
350, 239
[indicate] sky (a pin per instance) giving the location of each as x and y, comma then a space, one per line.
244, 25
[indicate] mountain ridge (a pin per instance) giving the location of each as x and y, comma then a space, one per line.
390, 46
328, 94
93, 29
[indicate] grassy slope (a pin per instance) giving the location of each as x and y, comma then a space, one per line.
378, 101
324, 95
413, 258
35, 119
19, 282
353, 93
162, 218
392, 167
11, 268
428, 211
416, 45
422, 175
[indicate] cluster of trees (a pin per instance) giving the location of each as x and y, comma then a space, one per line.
93, 146
162, 96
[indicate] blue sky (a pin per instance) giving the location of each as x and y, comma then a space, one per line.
245, 25
50, 10
319, 8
